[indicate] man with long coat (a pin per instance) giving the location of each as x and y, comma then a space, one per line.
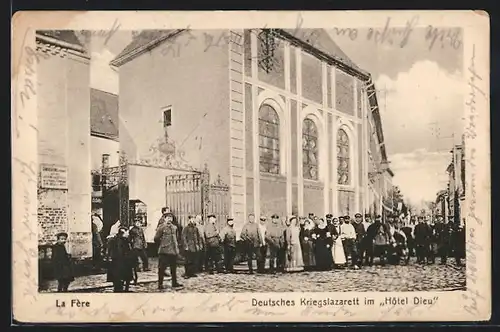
191, 240
274, 238
422, 234
360, 244
228, 237
251, 240
168, 250
213, 245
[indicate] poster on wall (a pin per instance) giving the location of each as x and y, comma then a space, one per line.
53, 177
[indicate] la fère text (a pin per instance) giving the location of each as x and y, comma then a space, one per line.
74, 303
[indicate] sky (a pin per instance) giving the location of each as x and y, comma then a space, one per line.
420, 94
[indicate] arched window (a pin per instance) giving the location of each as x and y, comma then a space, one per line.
269, 140
343, 158
310, 150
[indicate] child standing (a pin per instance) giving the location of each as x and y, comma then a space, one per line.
63, 270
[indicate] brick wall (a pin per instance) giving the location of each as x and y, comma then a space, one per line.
52, 214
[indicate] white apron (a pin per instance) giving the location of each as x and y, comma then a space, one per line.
338, 253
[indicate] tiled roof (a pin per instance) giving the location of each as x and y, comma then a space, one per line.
142, 39
316, 38
104, 114
67, 36
321, 40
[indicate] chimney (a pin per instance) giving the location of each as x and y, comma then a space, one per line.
105, 160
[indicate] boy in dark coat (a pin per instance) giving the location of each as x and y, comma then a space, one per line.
61, 260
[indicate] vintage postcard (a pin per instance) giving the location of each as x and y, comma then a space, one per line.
251, 166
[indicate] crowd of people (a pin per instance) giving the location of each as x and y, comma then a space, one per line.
282, 245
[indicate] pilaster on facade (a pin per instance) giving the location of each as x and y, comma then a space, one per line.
255, 126
333, 182
237, 125
325, 145
300, 174
289, 203
357, 163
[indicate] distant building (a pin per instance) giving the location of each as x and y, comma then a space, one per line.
285, 121
456, 184
105, 147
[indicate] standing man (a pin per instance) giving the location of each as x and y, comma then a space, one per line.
349, 241
168, 250
360, 230
251, 240
191, 241
201, 259
442, 235
262, 250
275, 241
228, 237
366, 242
421, 234
282, 251
139, 245
213, 242
97, 244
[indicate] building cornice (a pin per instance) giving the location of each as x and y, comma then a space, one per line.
60, 43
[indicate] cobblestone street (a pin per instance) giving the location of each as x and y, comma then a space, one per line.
401, 278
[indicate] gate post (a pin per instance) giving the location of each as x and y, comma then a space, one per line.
123, 190
205, 191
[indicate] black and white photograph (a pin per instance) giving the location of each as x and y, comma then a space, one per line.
249, 160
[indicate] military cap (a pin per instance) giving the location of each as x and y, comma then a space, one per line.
211, 216
230, 219
329, 216
378, 216
275, 216
61, 234
358, 215
347, 217
263, 218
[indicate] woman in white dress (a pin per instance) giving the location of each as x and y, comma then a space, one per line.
294, 259
339, 259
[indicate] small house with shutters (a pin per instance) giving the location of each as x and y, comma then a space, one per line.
282, 118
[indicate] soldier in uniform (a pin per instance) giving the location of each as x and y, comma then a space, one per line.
213, 244
201, 260
228, 237
360, 244
191, 241
422, 235
168, 250
442, 235
251, 240
275, 241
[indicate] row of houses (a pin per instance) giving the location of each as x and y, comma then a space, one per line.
266, 122
451, 201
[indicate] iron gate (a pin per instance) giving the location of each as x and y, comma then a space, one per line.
192, 194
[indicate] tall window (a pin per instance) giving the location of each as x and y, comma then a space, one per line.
269, 140
343, 158
310, 149
167, 117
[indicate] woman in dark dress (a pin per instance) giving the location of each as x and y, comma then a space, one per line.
323, 245
61, 260
122, 263
307, 242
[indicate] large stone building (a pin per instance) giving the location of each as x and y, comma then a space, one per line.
63, 98
283, 117
77, 136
